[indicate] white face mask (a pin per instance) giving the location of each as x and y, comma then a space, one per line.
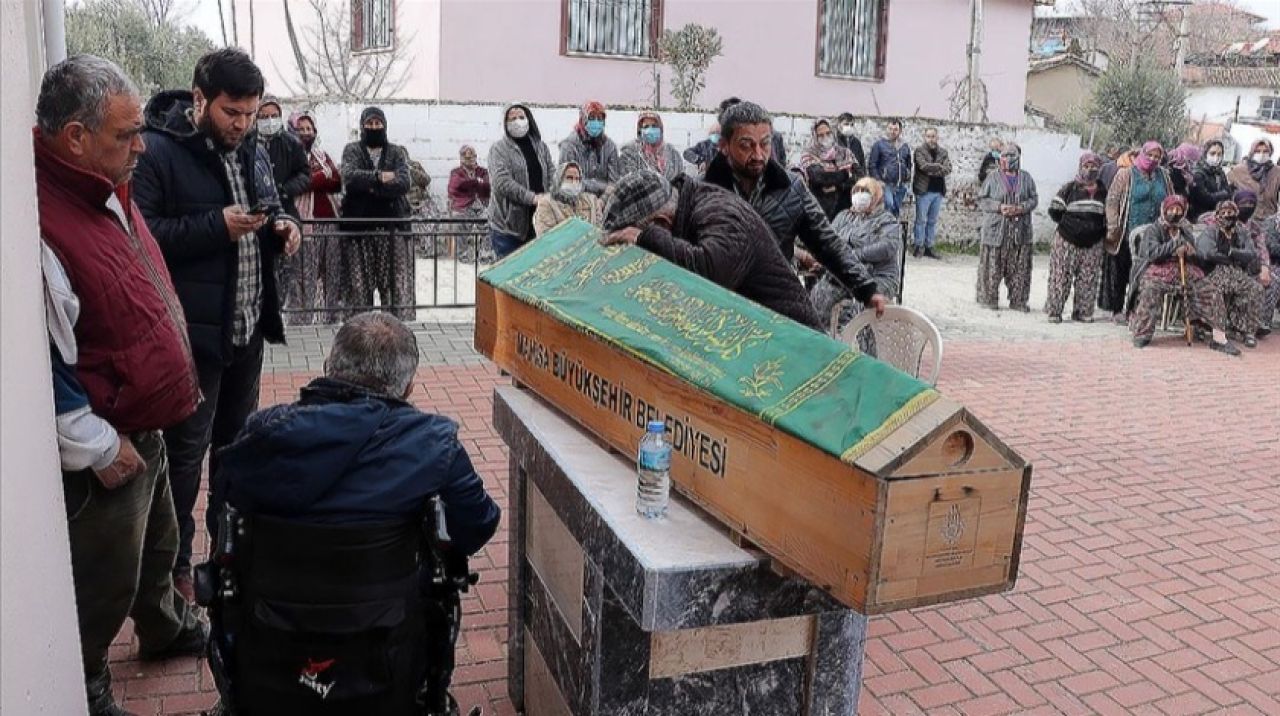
847, 130
826, 142
270, 126
861, 201
518, 128
571, 189
1213, 160
1260, 157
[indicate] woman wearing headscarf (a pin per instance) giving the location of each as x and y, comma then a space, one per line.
1182, 166
1210, 187
468, 185
1157, 247
1258, 174
592, 149
1006, 201
1133, 200
650, 150
317, 260
875, 239
566, 199
375, 173
520, 168
1079, 209
828, 168
1253, 283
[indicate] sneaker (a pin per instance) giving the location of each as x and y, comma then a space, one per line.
929, 254
189, 642
1082, 319
1141, 341
1227, 347
1055, 319
1250, 342
1264, 332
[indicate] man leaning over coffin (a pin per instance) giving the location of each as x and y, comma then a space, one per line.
711, 232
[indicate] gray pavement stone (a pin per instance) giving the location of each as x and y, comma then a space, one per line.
307, 346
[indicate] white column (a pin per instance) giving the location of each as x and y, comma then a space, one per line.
40, 670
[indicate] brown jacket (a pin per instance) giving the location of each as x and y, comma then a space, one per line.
1268, 191
1118, 205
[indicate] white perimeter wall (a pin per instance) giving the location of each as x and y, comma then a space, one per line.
40, 670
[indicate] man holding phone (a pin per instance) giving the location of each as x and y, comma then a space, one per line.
210, 199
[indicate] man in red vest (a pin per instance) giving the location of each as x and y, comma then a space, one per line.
122, 369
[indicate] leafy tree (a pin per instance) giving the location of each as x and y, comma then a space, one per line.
1139, 102
689, 52
155, 52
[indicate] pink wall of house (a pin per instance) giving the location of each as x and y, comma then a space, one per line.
500, 50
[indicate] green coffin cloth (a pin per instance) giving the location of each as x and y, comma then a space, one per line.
788, 375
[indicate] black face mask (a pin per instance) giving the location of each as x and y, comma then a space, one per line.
373, 137
1174, 218
1246, 213
1227, 222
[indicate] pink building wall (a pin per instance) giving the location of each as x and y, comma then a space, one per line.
505, 50
498, 50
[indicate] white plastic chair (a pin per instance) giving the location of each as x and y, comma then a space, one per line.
904, 338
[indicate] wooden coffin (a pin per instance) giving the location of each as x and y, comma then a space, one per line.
854, 475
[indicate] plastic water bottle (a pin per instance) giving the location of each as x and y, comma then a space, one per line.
654, 488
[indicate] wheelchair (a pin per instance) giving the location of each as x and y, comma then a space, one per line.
333, 620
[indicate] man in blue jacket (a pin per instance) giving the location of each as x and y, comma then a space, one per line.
352, 450
890, 162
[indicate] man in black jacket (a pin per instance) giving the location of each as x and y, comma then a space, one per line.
209, 198
745, 166
289, 162
710, 232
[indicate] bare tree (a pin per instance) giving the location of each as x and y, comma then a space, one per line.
1129, 31
330, 67
164, 12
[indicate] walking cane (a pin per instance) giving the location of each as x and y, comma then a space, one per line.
1186, 297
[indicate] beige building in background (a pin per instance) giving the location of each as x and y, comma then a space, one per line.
1059, 85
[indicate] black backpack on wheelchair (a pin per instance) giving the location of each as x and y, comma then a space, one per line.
328, 620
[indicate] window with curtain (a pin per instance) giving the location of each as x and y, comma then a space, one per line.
372, 25
851, 38
619, 28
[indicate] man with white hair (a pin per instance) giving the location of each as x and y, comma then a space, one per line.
122, 369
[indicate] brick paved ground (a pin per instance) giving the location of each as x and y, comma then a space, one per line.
1149, 580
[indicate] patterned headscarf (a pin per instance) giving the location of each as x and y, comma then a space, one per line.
589, 108
1171, 202
1144, 163
653, 153
1183, 159
837, 156
1082, 177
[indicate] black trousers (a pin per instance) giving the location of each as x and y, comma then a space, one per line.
230, 396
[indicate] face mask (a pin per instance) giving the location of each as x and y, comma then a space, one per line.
1173, 217
595, 127
847, 130
270, 126
995, 153
651, 135
1246, 213
1012, 162
861, 201
1260, 157
374, 137
826, 142
571, 189
1227, 221
1091, 174
518, 128
1213, 160
714, 138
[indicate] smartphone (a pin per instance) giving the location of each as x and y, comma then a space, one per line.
260, 208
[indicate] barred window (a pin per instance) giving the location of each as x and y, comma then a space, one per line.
1269, 108
851, 38
618, 28
372, 25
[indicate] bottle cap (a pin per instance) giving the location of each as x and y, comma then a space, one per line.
657, 426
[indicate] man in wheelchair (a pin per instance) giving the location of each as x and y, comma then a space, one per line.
341, 527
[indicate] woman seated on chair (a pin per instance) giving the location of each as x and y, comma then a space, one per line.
875, 237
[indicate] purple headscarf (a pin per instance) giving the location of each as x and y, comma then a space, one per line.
1183, 159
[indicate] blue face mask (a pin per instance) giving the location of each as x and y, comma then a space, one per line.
714, 138
651, 135
595, 127
995, 154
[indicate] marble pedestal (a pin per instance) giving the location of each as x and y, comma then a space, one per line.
615, 614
